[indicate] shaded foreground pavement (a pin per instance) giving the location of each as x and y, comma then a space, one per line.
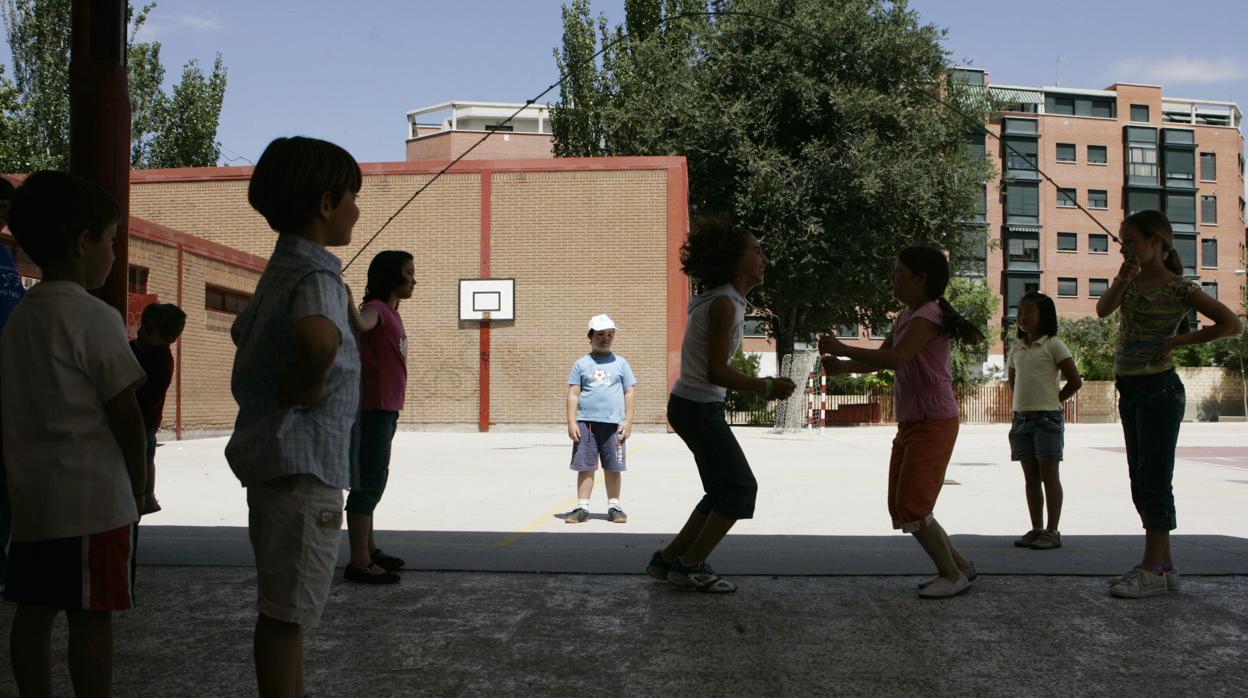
517, 634
506, 600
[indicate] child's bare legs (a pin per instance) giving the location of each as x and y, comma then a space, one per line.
935, 542
614, 482
584, 484
1157, 549
1052, 492
91, 652
278, 648
1035, 492
359, 535
30, 650
698, 538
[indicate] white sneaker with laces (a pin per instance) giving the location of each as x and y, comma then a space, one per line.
1138, 584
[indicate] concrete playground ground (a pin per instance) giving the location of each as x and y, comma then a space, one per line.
503, 598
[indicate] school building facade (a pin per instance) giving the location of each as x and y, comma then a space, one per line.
578, 236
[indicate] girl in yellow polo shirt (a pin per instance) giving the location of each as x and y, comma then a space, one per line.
1037, 435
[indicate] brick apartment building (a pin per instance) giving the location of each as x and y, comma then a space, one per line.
1114, 151
579, 236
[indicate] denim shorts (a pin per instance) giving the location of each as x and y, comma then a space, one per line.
1038, 435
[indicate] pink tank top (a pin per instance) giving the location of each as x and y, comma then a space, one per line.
923, 387
383, 361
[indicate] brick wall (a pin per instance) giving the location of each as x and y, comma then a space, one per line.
579, 237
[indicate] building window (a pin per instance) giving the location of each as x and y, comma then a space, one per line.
1097, 287
1065, 152
1078, 105
1067, 198
1180, 167
1139, 112
1097, 155
1209, 210
1208, 167
1022, 202
975, 144
499, 127
1143, 200
1067, 286
1141, 155
223, 300
755, 327
1016, 286
1209, 253
879, 330
1185, 245
1181, 210
1022, 250
847, 331
1210, 288
136, 281
1068, 242
1098, 243
1098, 198
1020, 157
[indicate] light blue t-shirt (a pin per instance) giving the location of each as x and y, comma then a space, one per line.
603, 381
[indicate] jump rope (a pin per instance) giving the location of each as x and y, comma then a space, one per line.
924, 90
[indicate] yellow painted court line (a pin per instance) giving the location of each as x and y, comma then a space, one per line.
537, 523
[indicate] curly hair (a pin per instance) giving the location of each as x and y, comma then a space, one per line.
713, 250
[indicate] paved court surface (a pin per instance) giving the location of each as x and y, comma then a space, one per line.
505, 599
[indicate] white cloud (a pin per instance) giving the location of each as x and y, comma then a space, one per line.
1179, 69
159, 27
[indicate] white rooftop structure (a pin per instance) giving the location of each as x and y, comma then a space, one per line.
478, 116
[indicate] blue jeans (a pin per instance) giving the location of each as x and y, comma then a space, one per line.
1151, 408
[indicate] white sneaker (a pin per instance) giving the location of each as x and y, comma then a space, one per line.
942, 588
1172, 579
1138, 584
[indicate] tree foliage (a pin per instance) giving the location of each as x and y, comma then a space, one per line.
1092, 340
175, 129
974, 299
811, 122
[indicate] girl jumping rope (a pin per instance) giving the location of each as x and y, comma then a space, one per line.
918, 349
1155, 300
1037, 434
383, 385
725, 263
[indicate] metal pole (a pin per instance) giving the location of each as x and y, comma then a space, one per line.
99, 120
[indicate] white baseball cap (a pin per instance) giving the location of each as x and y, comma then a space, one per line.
598, 323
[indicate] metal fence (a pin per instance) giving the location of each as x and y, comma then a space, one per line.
987, 403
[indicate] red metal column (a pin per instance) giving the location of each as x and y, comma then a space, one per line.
99, 119
483, 408
177, 406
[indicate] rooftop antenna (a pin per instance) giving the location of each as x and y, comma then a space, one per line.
1057, 71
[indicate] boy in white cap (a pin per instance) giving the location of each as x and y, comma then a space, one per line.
601, 388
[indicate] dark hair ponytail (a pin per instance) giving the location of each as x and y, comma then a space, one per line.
1152, 224
924, 259
385, 273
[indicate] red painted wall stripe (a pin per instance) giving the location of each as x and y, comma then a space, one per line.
483, 408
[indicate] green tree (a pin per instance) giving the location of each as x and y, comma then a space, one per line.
1092, 341
817, 128
974, 299
183, 125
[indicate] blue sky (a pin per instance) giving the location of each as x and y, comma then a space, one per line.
349, 72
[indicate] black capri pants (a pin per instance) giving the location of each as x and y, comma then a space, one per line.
727, 480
